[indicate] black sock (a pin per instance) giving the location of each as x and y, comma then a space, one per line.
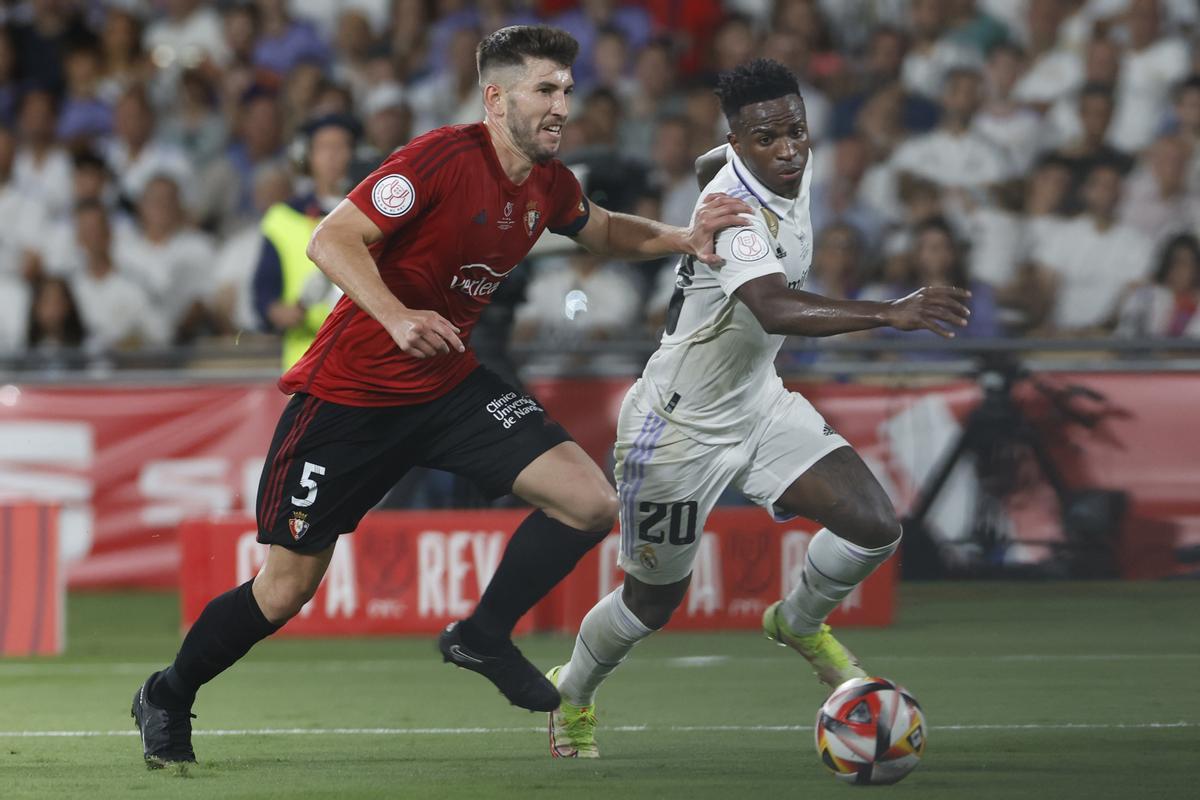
227, 628
540, 554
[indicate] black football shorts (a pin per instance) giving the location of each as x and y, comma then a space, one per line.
330, 463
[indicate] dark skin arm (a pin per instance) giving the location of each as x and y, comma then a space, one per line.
797, 313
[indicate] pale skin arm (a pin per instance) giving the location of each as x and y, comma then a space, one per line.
797, 313
636, 238
339, 248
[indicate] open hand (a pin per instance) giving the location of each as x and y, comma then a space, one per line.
934, 308
424, 334
717, 212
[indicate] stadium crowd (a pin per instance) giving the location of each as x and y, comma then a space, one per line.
159, 157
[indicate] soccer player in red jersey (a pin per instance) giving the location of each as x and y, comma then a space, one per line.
390, 383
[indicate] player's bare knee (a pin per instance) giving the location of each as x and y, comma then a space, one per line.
653, 612
880, 528
281, 598
597, 513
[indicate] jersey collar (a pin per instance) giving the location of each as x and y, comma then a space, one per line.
781, 206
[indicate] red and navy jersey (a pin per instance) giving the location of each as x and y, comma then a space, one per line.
454, 226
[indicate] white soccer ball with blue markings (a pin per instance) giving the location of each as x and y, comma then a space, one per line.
870, 732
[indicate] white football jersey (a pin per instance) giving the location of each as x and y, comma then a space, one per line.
714, 370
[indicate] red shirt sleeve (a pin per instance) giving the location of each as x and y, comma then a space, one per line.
405, 184
570, 204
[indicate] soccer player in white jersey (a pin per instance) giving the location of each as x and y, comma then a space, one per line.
710, 411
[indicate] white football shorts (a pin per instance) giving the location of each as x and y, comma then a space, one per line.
668, 482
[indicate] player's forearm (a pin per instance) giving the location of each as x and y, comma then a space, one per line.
637, 238
806, 314
344, 257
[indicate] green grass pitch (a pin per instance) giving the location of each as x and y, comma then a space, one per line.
1084, 690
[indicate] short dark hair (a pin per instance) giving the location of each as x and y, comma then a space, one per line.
509, 47
754, 82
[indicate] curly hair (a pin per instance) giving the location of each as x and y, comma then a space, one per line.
754, 82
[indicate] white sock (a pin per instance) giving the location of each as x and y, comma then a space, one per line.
608, 633
832, 568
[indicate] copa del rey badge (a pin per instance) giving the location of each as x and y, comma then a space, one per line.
532, 215
298, 524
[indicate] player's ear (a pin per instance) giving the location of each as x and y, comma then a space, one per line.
493, 99
732, 138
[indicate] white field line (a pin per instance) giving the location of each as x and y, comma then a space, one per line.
1063, 726
143, 668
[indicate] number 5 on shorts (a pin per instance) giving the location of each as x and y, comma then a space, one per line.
308, 482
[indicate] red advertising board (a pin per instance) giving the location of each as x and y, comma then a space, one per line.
414, 572
126, 465
32, 601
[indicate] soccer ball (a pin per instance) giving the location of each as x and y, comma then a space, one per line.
870, 732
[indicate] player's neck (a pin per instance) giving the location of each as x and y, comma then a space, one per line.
516, 164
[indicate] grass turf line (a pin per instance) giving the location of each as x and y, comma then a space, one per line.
974, 655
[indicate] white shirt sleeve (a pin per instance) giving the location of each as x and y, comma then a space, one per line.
748, 252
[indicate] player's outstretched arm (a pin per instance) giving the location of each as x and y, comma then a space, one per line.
797, 313
627, 236
339, 248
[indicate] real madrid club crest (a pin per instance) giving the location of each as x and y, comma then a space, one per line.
532, 215
647, 556
298, 524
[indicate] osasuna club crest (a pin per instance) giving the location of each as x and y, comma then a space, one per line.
532, 215
298, 524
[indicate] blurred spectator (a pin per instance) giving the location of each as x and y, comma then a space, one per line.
821, 61
611, 63
190, 34
453, 16
1151, 65
387, 122
124, 60
1089, 260
973, 27
735, 42
291, 296
837, 264
197, 126
937, 259
1091, 148
42, 170
353, 46
242, 26
285, 41
932, 55
54, 321
232, 298
1168, 305
651, 95
953, 154
835, 194
9, 87
226, 183
789, 49
880, 70
24, 226
591, 17
450, 97
1064, 120
171, 262
585, 300
42, 35
117, 312
84, 114
674, 156
91, 183
1054, 70
1156, 201
135, 155
1186, 125
1011, 126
